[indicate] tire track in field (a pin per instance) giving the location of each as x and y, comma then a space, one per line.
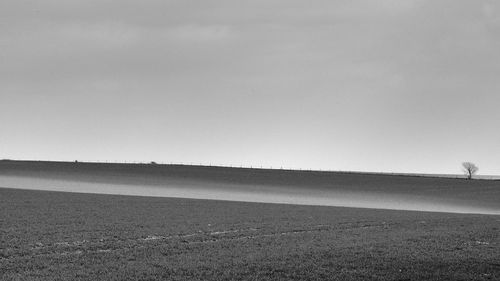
77, 247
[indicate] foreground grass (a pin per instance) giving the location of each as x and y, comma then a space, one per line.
70, 236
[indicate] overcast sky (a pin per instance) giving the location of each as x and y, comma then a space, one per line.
396, 86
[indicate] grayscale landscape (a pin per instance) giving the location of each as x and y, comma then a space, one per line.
249, 140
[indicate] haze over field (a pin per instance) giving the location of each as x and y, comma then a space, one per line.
254, 185
69, 236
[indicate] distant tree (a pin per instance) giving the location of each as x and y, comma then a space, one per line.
469, 169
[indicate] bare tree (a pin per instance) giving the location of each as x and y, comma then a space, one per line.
469, 169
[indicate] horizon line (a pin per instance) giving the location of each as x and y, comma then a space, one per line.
259, 167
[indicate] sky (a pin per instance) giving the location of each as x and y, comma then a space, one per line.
381, 86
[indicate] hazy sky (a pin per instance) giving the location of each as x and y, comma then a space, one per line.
403, 86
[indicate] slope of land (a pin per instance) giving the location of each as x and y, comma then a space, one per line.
71, 236
258, 185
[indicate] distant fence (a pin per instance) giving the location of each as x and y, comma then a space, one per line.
267, 167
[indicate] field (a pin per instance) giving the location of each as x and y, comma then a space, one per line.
259, 185
48, 235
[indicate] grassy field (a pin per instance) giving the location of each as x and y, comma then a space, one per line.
70, 236
258, 185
